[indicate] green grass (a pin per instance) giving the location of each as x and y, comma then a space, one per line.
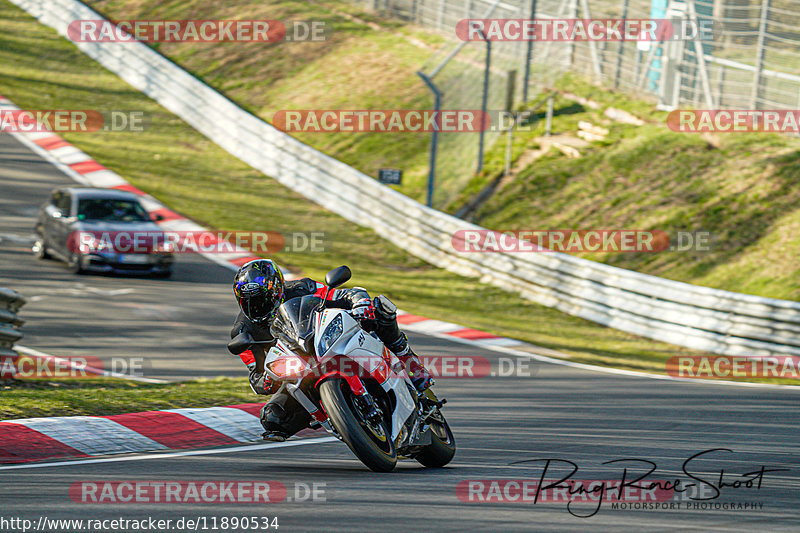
109, 396
193, 176
355, 68
744, 189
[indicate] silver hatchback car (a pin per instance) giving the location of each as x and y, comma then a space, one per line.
92, 230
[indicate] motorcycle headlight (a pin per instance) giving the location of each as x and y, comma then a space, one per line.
331, 334
287, 366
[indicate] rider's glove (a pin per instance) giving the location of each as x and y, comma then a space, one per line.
262, 384
364, 309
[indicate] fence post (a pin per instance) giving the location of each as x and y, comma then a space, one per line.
548, 123
701, 60
528, 58
762, 30
437, 104
511, 79
440, 20
485, 100
621, 45
597, 67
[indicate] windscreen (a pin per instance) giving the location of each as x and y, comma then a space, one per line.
111, 210
294, 322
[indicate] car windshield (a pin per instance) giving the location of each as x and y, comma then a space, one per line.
294, 322
112, 210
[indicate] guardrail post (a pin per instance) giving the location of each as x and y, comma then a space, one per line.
10, 302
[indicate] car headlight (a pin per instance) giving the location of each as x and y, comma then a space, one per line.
164, 248
331, 334
100, 245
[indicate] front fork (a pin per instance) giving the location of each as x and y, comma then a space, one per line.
363, 401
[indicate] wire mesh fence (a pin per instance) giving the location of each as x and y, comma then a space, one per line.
750, 61
475, 74
753, 61
470, 75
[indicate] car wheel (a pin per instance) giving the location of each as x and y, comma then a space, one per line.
75, 265
163, 275
39, 249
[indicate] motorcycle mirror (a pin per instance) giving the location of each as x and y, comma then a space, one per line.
337, 276
240, 343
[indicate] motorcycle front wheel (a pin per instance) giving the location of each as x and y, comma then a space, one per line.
443, 444
370, 442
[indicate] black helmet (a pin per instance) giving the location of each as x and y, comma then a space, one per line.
258, 287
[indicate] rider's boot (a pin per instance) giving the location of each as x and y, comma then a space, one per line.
420, 377
272, 418
282, 417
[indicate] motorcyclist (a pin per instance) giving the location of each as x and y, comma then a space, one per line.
260, 289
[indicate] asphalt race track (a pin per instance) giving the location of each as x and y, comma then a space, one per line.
501, 424
178, 326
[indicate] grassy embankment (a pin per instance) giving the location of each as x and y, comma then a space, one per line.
193, 176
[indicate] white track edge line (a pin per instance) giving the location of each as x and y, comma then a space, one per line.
607, 370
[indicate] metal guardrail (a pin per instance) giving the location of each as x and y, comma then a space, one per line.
670, 311
10, 302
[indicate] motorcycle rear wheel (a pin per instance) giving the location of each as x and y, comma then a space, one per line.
377, 453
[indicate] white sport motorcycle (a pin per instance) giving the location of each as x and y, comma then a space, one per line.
352, 385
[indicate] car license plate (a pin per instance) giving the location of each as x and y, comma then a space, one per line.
133, 259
